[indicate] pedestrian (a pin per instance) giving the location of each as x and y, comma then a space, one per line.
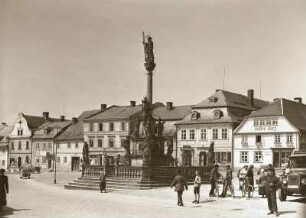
214, 176
4, 188
272, 184
241, 175
102, 182
228, 180
196, 187
179, 183
250, 180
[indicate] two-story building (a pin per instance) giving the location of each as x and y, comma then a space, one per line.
106, 132
213, 120
5, 131
43, 141
70, 143
271, 134
20, 148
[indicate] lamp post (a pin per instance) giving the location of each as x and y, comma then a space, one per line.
55, 160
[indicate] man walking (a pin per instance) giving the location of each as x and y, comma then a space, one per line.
4, 188
214, 175
228, 180
250, 180
196, 188
272, 184
179, 183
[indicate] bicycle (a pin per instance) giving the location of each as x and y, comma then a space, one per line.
247, 188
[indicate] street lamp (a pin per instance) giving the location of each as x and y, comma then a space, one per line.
55, 160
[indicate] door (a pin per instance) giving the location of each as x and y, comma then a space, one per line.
75, 164
276, 162
202, 159
187, 158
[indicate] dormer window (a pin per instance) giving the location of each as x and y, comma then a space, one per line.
195, 115
47, 130
213, 100
217, 114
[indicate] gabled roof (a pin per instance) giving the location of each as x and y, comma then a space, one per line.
230, 99
6, 130
175, 113
115, 112
54, 127
35, 121
75, 130
294, 112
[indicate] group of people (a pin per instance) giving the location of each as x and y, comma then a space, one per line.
246, 174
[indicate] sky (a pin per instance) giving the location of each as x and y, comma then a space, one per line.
68, 56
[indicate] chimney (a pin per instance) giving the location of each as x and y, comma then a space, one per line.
298, 100
46, 115
74, 120
103, 106
251, 96
62, 117
169, 105
132, 103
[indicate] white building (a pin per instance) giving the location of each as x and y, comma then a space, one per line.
70, 144
213, 120
5, 130
271, 134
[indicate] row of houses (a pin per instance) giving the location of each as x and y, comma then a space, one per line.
244, 130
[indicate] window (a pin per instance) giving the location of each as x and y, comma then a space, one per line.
195, 115
12, 146
244, 139
20, 132
277, 139
91, 143
111, 126
91, 127
244, 157
261, 122
100, 143
183, 134
65, 159
19, 145
258, 139
224, 133
44, 146
268, 122
122, 126
111, 143
122, 142
289, 138
76, 145
215, 134
192, 134
255, 122
257, 157
203, 134
69, 145
275, 121
27, 145
3, 162
213, 100
100, 127
217, 114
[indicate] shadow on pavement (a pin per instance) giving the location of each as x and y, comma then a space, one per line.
299, 200
288, 211
7, 211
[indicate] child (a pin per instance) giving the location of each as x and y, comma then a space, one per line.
196, 190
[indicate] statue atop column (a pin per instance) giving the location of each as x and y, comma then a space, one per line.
85, 154
210, 155
149, 55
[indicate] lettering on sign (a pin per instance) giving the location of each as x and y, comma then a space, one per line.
265, 129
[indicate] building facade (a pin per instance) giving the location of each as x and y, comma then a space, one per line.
43, 142
70, 144
5, 131
213, 120
106, 132
20, 144
271, 134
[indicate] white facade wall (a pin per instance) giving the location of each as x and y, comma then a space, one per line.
66, 152
245, 140
3, 159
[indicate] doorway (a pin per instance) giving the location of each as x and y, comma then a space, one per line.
202, 159
75, 163
187, 157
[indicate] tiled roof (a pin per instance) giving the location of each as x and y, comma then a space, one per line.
54, 127
230, 99
176, 113
75, 130
116, 112
294, 112
35, 121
